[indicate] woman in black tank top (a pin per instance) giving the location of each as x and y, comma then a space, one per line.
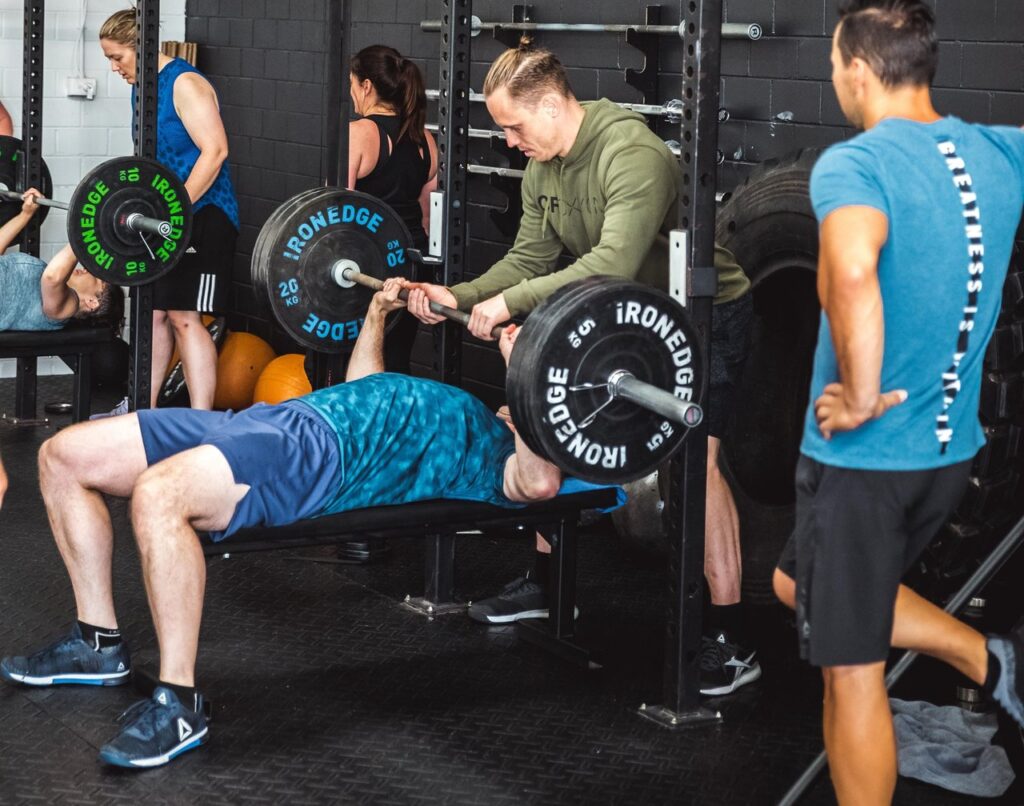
393, 157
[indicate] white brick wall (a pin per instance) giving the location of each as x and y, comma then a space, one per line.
77, 134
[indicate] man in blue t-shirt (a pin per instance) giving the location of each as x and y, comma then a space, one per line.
918, 216
379, 439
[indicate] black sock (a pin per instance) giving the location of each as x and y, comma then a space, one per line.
187, 695
992, 676
99, 637
725, 618
542, 569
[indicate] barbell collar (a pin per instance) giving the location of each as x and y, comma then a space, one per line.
626, 386
14, 196
346, 273
137, 222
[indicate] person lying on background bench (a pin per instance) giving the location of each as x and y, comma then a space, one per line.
44, 296
378, 439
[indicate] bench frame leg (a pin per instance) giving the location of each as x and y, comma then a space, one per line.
554, 634
439, 579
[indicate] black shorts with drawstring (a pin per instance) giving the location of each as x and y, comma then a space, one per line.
857, 533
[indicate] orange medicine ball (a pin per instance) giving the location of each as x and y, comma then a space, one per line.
241, 360
282, 379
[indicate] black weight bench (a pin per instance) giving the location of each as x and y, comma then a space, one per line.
439, 521
74, 344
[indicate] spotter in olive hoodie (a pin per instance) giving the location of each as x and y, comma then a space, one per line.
610, 203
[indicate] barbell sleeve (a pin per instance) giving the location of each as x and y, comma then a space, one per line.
154, 226
14, 196
625, 385
350, 274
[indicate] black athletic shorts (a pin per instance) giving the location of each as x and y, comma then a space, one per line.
202, 280
730, 344
857, 533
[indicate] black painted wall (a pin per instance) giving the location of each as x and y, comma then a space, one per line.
266, 59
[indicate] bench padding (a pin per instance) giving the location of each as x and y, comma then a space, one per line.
420, 518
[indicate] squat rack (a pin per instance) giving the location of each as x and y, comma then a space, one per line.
693, 279
144, 132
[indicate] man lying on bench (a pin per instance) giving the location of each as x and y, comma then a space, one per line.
379, 439
41, 296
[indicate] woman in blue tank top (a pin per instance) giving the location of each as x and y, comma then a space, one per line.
192, 142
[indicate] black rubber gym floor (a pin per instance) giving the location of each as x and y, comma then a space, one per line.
326, 690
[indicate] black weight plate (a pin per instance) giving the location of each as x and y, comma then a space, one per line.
11, 159
521, 380
573, 346
285, 208
260, 252
301, 249
104, 199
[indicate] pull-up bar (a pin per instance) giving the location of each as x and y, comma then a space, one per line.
672, 110
730, 30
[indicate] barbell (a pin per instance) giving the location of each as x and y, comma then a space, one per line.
606, 375
112, 211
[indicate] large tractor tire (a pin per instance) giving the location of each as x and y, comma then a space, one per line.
770, 227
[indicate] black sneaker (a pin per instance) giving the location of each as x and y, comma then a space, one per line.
155, 731
521, 598
1008, 690
725, 666
70, 661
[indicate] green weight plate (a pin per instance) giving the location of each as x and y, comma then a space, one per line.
12, 158
100, 205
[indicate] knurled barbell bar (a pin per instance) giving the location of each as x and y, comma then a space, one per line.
606, 374
133, 221
111, 212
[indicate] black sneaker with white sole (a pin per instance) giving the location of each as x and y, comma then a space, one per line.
725, 666
521, 598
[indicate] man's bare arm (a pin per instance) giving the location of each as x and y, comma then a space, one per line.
59, 301
368, 354
851, 241
10, 231
528, 477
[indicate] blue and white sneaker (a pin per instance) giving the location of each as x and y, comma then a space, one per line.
70, 661
155, 731
1008, 690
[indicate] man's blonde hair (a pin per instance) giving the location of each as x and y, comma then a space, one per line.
120, 28
527, 73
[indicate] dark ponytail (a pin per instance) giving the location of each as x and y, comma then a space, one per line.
398, 83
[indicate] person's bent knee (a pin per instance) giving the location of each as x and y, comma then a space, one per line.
784, 587
151, 494
182, 320
56, 458
853, 680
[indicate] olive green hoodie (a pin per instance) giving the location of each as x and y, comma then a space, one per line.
610, 203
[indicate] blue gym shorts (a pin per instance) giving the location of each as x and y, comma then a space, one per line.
287, 454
